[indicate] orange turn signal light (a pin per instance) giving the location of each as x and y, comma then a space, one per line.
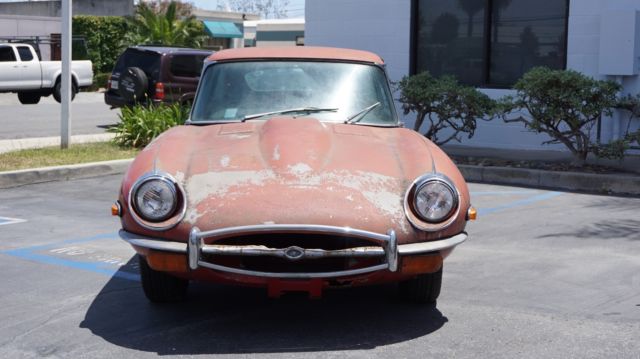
116, 209
167, 262
412, 265
472, 214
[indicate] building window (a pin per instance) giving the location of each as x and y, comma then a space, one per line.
488, 43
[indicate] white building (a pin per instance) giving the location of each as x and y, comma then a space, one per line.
490, 44
274, 32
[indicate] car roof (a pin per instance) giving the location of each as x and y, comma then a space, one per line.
296, 52
169, 49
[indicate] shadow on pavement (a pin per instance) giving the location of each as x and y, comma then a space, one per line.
624, 228
218, 319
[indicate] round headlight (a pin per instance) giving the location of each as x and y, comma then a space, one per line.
434, 201
155, 199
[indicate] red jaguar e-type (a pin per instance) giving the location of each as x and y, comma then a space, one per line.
295, 174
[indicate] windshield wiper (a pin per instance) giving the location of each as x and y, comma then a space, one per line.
291, 110
355, 118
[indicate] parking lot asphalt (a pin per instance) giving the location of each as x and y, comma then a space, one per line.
544, 274
89, 115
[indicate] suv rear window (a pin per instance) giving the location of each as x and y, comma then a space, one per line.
186, 65
149, 62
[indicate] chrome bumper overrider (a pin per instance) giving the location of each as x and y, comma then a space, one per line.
387, 248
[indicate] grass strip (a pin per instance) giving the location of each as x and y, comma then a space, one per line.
54, 156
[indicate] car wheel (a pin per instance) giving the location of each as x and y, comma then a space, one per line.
29, 98
161, 287
57, 91
133, 85
424, 288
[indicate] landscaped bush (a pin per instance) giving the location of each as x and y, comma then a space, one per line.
631, 105
104, 36
447, 105
99, 81
142, 123
565, 105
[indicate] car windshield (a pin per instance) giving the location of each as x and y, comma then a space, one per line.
237, 91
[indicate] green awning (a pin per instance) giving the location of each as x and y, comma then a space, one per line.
223, 29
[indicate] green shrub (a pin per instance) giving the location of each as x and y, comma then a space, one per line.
171, 24
631, 105
142, 123
104, 36
447, 105
565, 105
99, 81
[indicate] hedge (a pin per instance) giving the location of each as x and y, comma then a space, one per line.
104, 36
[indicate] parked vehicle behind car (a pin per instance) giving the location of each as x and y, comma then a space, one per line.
21, 71
293, 173
151, 74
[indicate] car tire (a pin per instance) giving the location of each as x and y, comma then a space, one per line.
57, 91
161, 287
133, 85
29, 98
423, 288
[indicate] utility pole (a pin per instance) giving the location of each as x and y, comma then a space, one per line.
65, 79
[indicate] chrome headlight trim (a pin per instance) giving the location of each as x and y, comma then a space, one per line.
180, 207
409, 203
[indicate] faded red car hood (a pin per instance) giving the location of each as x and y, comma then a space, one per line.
295, 171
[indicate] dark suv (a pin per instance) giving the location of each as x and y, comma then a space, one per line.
145, 74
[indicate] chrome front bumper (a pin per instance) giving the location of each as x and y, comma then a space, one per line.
387, 247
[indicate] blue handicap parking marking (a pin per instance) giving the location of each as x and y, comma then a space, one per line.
530, 197
7, 220
72, 254
86, 254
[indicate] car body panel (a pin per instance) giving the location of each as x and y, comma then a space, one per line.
353, 175
309, 52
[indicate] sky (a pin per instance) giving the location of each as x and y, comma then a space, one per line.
294, 9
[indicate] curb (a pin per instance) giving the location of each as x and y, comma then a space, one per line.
572, 181
62, 173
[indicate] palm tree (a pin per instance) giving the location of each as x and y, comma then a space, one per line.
164, 28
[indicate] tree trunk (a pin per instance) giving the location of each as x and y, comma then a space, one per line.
579, 159
419, 120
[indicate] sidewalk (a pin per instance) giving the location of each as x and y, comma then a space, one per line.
631, 162
39, 142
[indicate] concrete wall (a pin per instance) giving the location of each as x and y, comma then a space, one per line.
30, 26
380, 26
383, 27
585, 18
80, 7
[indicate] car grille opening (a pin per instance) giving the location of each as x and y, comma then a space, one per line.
285, 265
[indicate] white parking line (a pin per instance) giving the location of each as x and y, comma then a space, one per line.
7, 220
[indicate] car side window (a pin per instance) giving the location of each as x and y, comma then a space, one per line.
186, 65
7, 54
25, 53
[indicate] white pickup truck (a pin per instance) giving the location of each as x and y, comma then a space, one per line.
22, 71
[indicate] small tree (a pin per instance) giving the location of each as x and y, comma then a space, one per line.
565, 105
166, 24
631, 105
445, 103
